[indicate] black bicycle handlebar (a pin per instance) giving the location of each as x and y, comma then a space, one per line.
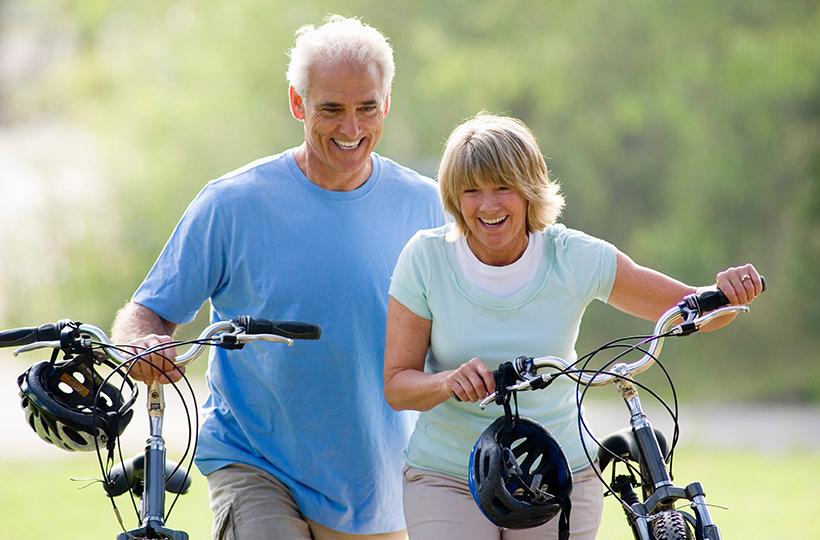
288, 329
31, 334
709, 300
695, 310
233, 335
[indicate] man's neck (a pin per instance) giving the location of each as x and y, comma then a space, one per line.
331, 180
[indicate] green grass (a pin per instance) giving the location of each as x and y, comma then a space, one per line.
769, 496
39, 501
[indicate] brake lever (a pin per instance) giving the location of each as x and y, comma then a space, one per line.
81, 343
237, 340
36, 346
691, 326
541, 381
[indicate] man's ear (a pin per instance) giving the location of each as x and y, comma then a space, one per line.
297, 104
387, 102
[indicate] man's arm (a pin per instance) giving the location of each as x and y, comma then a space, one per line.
140, 327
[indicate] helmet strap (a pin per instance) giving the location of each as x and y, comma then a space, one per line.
504, 375
54, 354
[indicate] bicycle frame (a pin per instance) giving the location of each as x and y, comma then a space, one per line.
153, 499
659, 492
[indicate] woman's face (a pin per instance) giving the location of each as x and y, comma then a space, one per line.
496, 218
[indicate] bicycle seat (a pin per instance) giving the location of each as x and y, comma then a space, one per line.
622, 444
129, 474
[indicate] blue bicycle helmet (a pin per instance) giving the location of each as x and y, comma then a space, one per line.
519, 476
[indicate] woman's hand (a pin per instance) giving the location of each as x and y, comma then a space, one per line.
740, 284
472, 381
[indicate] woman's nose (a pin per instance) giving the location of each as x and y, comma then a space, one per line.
488, 201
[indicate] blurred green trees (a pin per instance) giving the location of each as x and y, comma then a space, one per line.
685, 132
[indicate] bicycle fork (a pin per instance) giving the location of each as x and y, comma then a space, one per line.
659, 490
152, 501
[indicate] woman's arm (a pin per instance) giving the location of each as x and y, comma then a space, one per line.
406, 385
647, 293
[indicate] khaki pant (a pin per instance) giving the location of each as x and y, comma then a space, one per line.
438, 506
250, 504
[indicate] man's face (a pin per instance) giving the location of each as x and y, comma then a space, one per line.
344, 117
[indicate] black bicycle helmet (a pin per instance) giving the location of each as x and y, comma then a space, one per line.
68, 404
519, 476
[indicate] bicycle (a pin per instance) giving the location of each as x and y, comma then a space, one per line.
641, 449
69, 404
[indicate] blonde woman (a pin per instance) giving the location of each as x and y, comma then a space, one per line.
503, 280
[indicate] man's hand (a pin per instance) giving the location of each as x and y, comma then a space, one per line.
158, 366
143, 329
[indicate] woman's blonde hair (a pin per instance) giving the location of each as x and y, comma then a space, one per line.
490, 149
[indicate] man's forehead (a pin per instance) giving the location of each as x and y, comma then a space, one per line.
336, 103
346, 83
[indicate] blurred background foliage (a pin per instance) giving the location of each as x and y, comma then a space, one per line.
686, 132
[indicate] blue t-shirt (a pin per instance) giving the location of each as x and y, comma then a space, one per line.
542, 319
266, 242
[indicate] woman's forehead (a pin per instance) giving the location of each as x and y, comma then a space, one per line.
483, 177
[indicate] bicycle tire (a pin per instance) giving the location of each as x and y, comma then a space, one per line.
670, 525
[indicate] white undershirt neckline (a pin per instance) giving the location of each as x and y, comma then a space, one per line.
500, 281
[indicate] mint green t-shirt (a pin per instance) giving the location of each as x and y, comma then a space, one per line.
542, 319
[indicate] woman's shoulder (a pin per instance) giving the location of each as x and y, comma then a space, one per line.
563, 237
432, 236
426, 244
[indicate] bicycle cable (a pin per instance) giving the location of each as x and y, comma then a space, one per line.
106, 465
581, 395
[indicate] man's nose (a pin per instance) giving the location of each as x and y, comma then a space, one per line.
351, 126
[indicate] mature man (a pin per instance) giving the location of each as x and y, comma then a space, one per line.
299, 442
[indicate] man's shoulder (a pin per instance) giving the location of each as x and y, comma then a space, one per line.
264, 167
404, 174
253, 179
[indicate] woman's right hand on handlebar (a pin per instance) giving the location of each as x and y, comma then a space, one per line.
144, 371
472, 381
740, 284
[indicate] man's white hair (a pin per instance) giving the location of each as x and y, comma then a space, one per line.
338, 39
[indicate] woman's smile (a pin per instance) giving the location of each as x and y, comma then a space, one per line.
496, 218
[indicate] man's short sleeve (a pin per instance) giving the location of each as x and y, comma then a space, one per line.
191, 265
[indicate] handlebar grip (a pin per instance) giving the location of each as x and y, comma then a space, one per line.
23, 336
288, 329
711, 300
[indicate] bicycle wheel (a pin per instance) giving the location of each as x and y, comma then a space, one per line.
670, 525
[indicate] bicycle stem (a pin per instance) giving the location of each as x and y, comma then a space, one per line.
154, 510
651, 455
152, 502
